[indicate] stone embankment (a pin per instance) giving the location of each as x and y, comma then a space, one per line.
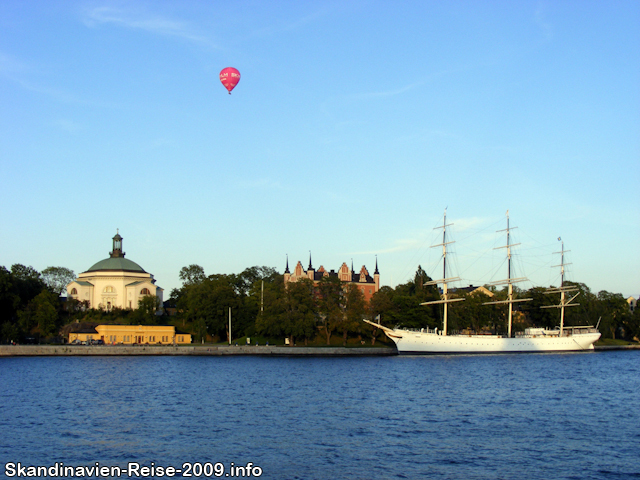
105, 350
115, 350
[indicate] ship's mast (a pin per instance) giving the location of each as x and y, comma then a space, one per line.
509, 281
563, 290
444, 280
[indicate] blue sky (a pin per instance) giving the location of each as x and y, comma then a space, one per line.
355, 124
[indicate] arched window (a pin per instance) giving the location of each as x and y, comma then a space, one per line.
74, 291
145, 291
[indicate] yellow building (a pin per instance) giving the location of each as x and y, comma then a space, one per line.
132, 334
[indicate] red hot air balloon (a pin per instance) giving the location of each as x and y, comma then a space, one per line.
229, 77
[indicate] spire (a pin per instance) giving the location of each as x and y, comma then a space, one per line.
117, 246
376, 272
310, 267
352, 272
286, 270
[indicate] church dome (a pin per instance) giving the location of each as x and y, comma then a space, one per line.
117, 263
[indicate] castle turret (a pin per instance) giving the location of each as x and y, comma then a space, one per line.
287, 273
311, 273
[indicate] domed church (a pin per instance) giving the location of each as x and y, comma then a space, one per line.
114, 282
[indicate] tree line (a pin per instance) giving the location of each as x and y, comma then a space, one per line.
33, 308
29, 301
261, 305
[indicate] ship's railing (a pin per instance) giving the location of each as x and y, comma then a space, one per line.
437, 331
567, 331
578, 330
423, 330
433, 331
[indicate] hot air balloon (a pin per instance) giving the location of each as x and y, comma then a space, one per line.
229, 77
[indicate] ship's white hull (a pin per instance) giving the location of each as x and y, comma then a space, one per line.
412, 342
533, 339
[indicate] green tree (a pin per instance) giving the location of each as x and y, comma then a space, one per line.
255, 288
614, 311
253, 277
269, 322
9, 299
330, 300
206, 305
420, 278
77, 308
148, 306
632, 325
191, 275
23, 272
289, 310
40, 315
46, 312
26, 282
407, 298
380, 305
57, 278
299, 316
354, 311
536, 314
9, 332
27, 319
499, 314
471, 313
586, 309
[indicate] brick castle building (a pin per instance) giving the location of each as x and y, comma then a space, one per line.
367, 284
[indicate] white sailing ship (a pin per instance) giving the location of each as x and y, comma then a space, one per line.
560, 339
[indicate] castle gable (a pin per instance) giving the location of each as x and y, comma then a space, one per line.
364, 276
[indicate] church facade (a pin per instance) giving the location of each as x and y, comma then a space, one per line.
114, 282
367, 284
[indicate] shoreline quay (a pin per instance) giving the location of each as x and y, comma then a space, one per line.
197, 350
219, 351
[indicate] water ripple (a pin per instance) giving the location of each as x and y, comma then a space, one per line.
560, 416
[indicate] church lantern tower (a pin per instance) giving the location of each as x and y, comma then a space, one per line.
117, 252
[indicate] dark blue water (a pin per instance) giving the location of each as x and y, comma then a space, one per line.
554, 416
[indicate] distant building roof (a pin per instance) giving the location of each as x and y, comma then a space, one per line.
117, 264
116, 260
471, 289
86, 330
